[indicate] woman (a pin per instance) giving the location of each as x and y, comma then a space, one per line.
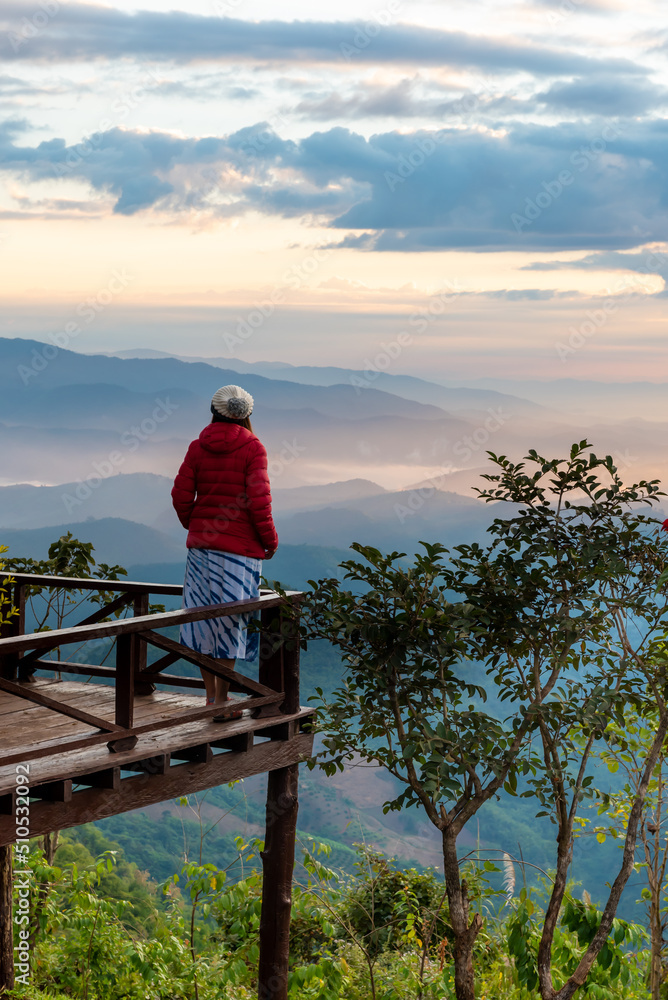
221, 495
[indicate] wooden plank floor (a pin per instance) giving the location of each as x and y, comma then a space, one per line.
24, 725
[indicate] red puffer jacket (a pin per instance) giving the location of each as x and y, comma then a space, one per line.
221, 493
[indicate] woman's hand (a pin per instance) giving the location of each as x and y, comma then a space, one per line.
270, 553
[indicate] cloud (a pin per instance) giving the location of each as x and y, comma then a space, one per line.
16, 87
533, 187
605, 95
645, 262
563, 187
591, 6
419, 96
411, 97
82, 32
370, 100
523, 294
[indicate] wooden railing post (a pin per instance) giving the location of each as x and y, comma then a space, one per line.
279, 657
278, 860
290, 634
126, 666
271, 656
6, 920
15, 625
142, 686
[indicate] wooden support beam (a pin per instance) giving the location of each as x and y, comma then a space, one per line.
53, 791
278, 860
109, 778
291, 652
202, 754
240, 743
6, 919
67, 667
238, 682
165, 661
131, 626
93, 670
142, 686
88, 583
8, 804
122, 744
58, 706
126, 663
282, 731
150, 765
271, 657
91, 804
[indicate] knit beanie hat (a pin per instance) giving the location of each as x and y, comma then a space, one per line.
232, 401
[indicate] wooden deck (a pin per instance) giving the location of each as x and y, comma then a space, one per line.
86, 749
90, 749
70, 787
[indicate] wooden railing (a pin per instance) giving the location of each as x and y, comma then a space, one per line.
276, 691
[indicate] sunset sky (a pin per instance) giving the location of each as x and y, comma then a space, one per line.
471, 189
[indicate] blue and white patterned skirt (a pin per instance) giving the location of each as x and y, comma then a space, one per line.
214, 577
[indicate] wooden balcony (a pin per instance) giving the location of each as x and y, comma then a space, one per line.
122, 737
93, 741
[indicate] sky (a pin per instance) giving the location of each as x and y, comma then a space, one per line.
447, 189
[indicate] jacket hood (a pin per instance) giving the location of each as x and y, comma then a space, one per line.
221, 438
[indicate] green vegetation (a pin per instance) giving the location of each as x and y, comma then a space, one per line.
563, 610
103, 930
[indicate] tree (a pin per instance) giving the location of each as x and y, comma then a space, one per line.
625, 750
7, 611
544, 608
51, 606
69, 557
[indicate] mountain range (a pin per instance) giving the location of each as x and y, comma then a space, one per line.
90, 444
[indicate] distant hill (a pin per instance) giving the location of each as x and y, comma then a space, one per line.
140, 496
393, 520
452, 398
575, 398
18, 379
462, 482
115, 540
145, 497
103, 406
321, 533
312, 497
293, 566
63, 415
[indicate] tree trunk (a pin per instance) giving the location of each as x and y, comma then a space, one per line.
656, 938
50, 844
655, 873
278, 860
564, 858
465, 933
579, 977
6, 920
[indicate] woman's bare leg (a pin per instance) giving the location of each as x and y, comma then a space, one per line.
222, 686
209, 685
216, 687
